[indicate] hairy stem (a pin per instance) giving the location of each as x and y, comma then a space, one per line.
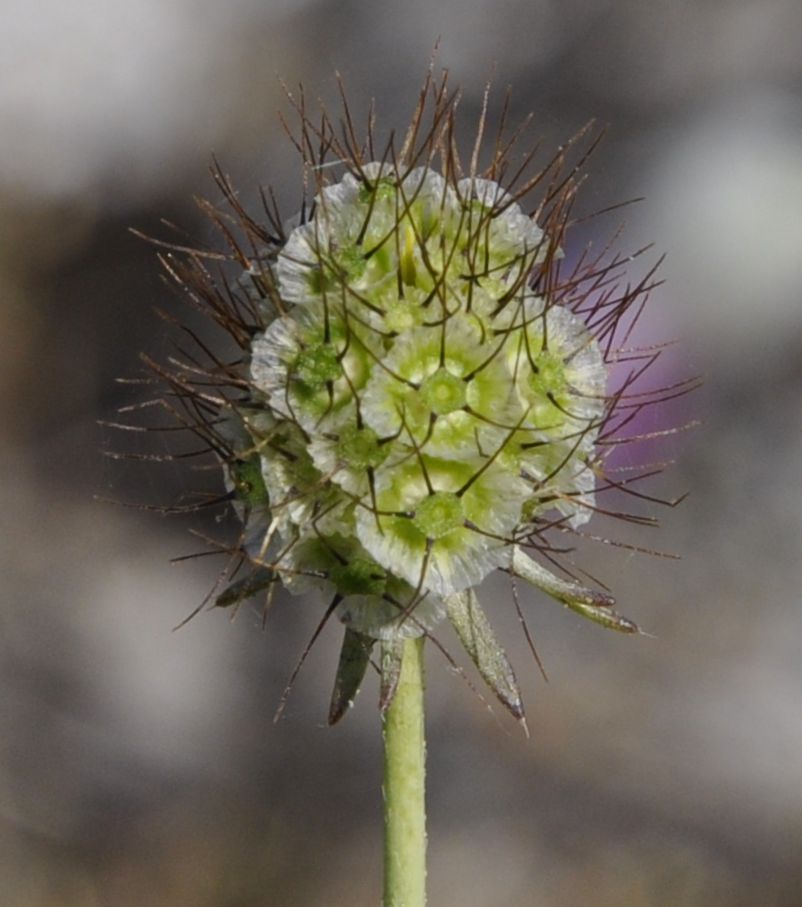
404, 786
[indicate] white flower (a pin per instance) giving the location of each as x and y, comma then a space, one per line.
432, 404
418, 393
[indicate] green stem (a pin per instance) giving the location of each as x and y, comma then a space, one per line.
404, 786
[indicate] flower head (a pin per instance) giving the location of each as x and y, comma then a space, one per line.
423, 386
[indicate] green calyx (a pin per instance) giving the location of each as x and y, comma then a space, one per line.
406, 263
317, 364
358, 576
439, 514
479, 208
351, 259
383, 189
443, 392
359, 448
249, 486
400, 316
548, 378
346, 262
321, 280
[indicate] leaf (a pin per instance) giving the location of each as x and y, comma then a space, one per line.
245, 588
596, 606
354, 661
391, 652
476, 635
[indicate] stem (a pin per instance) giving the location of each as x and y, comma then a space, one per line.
404, 786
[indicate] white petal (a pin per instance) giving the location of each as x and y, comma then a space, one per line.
381, 619
297, 262
270, 354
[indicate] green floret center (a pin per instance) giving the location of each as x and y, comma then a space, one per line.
550, 375
443, 392
320, 280
400, 316
479, 207
359, 448
439, 514
383, 188
352, 260
340, 263
317, 364
360, 576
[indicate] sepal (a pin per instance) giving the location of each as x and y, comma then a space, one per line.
354, 661
596, 606
476, 635
245, 588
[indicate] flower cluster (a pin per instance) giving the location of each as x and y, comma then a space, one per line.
421, 390
428, 403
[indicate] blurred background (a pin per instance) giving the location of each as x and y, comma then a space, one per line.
139, 766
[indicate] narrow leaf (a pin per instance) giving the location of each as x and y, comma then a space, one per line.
476, 635
245, 588
354, 661
596, 606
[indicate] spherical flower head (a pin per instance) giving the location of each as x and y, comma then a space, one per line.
424, 391
433, 389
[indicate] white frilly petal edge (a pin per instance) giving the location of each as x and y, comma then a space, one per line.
578, 507
511, 226
585, 369
454, 571
447, 571
270, 353
380, 619
323, 451
297, 260
486, 192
